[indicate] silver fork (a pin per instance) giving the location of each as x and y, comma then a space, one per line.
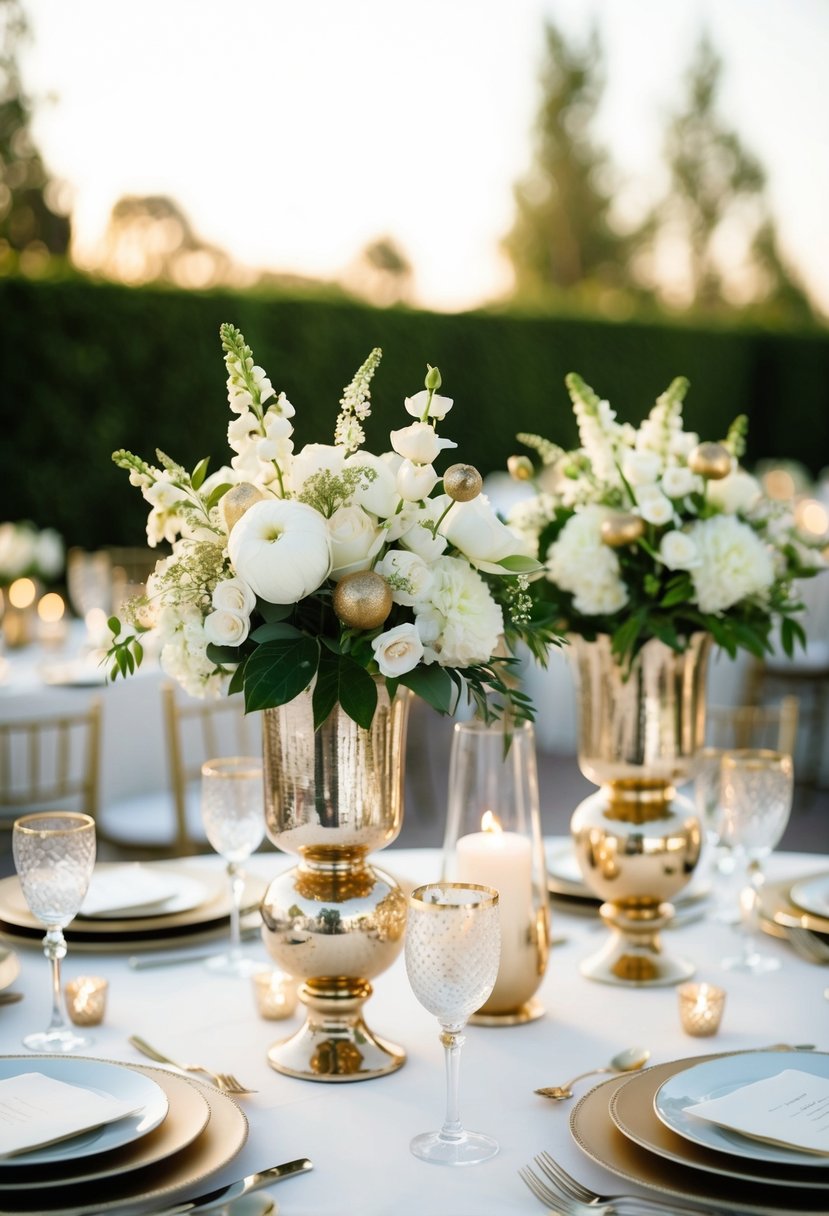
222, 1080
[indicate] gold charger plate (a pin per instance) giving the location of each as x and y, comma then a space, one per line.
632, 1110
188, 1112
601, 1140
9, 967
778, 913
221, 1140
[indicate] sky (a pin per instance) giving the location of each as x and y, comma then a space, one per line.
293, 132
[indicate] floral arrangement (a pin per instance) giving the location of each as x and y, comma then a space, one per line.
331, 566
649, 533
27, 551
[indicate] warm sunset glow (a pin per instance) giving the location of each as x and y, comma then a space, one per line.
22, 593
490, 822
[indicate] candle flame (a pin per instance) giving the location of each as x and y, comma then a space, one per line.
490, 822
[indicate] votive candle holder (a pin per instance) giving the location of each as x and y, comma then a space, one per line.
86, 999
700, 1008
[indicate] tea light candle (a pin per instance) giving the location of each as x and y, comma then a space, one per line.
86, 1000
275, 994
700, 1008
502, 860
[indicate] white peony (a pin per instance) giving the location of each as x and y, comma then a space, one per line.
419, 443
407, 574
355, 540
678, 551
460, 623
439, 407
734, 563
398, 650
415, 481
281, 550
738, 492
225, 628
579, 562
475, 529
234, 595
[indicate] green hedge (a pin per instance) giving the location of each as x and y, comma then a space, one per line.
88, 368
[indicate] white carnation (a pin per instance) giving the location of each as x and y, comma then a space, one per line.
460, 623
579, 562
734, 563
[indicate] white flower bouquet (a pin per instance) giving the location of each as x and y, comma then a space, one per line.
649, 533
27, 551
329, 566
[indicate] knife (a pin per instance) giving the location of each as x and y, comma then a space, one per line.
224, 1194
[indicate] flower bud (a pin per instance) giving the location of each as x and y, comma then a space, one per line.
433, 379
520, 468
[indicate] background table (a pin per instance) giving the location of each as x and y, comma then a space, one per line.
358, 1134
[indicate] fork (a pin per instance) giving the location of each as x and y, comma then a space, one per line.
222, 1080
807, 944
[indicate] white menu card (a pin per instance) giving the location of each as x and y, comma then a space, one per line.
790, 1108
36, 1110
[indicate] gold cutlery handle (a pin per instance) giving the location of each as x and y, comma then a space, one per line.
147, 1050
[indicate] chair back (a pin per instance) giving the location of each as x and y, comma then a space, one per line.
50, 763
737, 726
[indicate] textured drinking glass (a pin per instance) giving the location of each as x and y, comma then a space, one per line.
233, 813
757, 791
708, 801
54, 855
453, 946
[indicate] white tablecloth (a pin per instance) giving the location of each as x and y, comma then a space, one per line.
358, 1134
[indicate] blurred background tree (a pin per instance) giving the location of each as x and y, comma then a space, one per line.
34, 223
381, 273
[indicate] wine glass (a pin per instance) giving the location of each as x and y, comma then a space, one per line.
757, 791
708, 802
233, 813
453, 947
54, 854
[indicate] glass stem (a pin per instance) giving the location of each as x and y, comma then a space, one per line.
54, 947
750, 907
237, 886
452, 1040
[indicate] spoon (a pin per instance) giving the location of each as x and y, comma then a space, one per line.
629, 1060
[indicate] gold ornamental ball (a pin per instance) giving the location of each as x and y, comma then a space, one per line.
362, 600
237, 501
622, 529
710, 460
462, 482
520, 468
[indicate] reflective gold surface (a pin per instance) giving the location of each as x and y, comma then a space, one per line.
637, 841
334, 921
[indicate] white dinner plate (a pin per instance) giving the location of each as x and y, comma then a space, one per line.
111, 1079
175, 891
721, 1076
812, 894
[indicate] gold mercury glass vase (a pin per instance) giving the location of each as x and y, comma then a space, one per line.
637, 841
333, 796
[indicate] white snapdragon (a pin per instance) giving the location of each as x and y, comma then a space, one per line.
398, 650
734, 563
474, 529
438, 408
641, 468
281, 550
355, 540
415, 482
419, 443
579, 562
460, 623
678, 551
407, 574
656, 509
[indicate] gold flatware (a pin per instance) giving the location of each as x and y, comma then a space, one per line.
9, 998
808, 944
226, 1194
629, 1060
222, 1080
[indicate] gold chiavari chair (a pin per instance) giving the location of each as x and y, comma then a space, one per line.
50, 763
737, 726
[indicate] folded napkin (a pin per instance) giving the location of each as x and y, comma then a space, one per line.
128, 888
790, 1108
36, 1110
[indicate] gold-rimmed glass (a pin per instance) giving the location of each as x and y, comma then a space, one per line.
453, 947
54, 855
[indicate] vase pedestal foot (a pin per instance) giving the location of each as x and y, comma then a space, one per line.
633, 955
334, 1043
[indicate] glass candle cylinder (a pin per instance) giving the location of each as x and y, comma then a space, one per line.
700, 1008
493, 836
86, 999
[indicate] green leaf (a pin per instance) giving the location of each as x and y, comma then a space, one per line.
114, 626
237, 680
792, 634
199, 473
277, 672
222, 654
358, 692
274, 612
275, 631
217, 493
433, 684
138, 651
519, 564
327, 686
677, 592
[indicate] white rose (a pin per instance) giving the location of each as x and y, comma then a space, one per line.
415, 481
398, 650
378, 495
419, 443
641, 468
281, 550
355, 539
475, 529
738, 492
225, 628
678, 551
678, 481
407, 574
233, 595
314, 458
439, 408
657, 509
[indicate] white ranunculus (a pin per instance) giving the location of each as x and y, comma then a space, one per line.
656, 509
641, 468
419, 443
415, 481
678, 551
579, 561
281, 550
398, 650
678, 481
378, 495
459, 622
355, 539
734, 563
736, 493
439, 408
407, 574
225, 628
234, 595
475, 529
314, 458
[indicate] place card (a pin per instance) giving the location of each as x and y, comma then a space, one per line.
36, 1110
790, 1108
